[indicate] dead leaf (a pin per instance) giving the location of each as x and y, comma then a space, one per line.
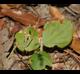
1, 53
14, 5
15, 28
24, 18
1, 23
1, 15
58, 66
55, 13
4, 34
75, 45
10, 6
4, 6
41, 22
8, 44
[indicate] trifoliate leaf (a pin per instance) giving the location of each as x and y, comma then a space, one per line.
40, 60
57, 34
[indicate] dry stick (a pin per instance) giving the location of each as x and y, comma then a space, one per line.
36, 25
12, 51
73, 66
74, 56
26, 64
77, 58
12, 64
68, 56
17, 61
71, 12
35, 11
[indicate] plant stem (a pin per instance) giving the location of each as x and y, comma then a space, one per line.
41, 44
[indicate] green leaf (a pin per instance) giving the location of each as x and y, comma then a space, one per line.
20, 40
27, 40
40, 60
57, 34
33, 43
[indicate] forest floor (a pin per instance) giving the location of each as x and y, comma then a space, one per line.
10, 59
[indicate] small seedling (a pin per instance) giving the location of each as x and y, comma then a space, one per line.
54, 34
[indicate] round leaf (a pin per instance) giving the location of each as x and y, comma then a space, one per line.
20, 40
27, 39
57, 34
40, 60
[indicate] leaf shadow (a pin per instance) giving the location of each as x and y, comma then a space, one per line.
24, 53
51, 50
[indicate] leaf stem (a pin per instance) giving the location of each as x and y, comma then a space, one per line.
41, 44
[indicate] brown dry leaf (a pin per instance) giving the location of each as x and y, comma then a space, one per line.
1, 53
15, 28
58, 66
4, 6
14, 5
75, 45
41, 22
55, 13
8, 44
1, 15
24, 18
9, 6
1, 24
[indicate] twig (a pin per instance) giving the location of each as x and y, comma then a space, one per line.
77, 58
21, 60
12, 51
71, 12
12, 64
26, 64
35, 11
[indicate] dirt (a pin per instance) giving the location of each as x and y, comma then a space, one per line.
12, 60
